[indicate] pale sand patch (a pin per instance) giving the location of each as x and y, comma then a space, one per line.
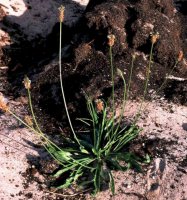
36, 18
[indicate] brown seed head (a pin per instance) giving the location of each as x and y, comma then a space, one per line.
111, 40
180, 56
99, 105
61, 13
3, 103
119, 72
27, 83
154, 37
28, 120
133, 56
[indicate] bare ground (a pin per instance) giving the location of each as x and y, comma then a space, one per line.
164, 135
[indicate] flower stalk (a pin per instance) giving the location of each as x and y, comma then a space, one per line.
61, 19
111, 41
154, 38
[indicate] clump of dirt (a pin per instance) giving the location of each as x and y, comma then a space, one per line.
86, 57
131, 22
176, 91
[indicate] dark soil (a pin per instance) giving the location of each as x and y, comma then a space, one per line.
86, 59
89, 70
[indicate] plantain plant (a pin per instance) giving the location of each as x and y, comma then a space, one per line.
89, 159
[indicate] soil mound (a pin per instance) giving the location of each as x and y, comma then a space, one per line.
131, 22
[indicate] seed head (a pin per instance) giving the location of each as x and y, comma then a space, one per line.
28, 120
111, 40
99, 105
180, 56
61, 13
119, 72
133, 56
154, 37
27, 83
3, 103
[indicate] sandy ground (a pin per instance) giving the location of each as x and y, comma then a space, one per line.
14, 151
40, 20
164, 129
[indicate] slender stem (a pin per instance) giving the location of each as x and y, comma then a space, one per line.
20, 120
130, 77
125, 98
147, 80
162, 85
62, 88
112, 77
32, 112
49, 142
164, 82
126, 91
146, 83
148, 73
40, 134
36, 123
110, 142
